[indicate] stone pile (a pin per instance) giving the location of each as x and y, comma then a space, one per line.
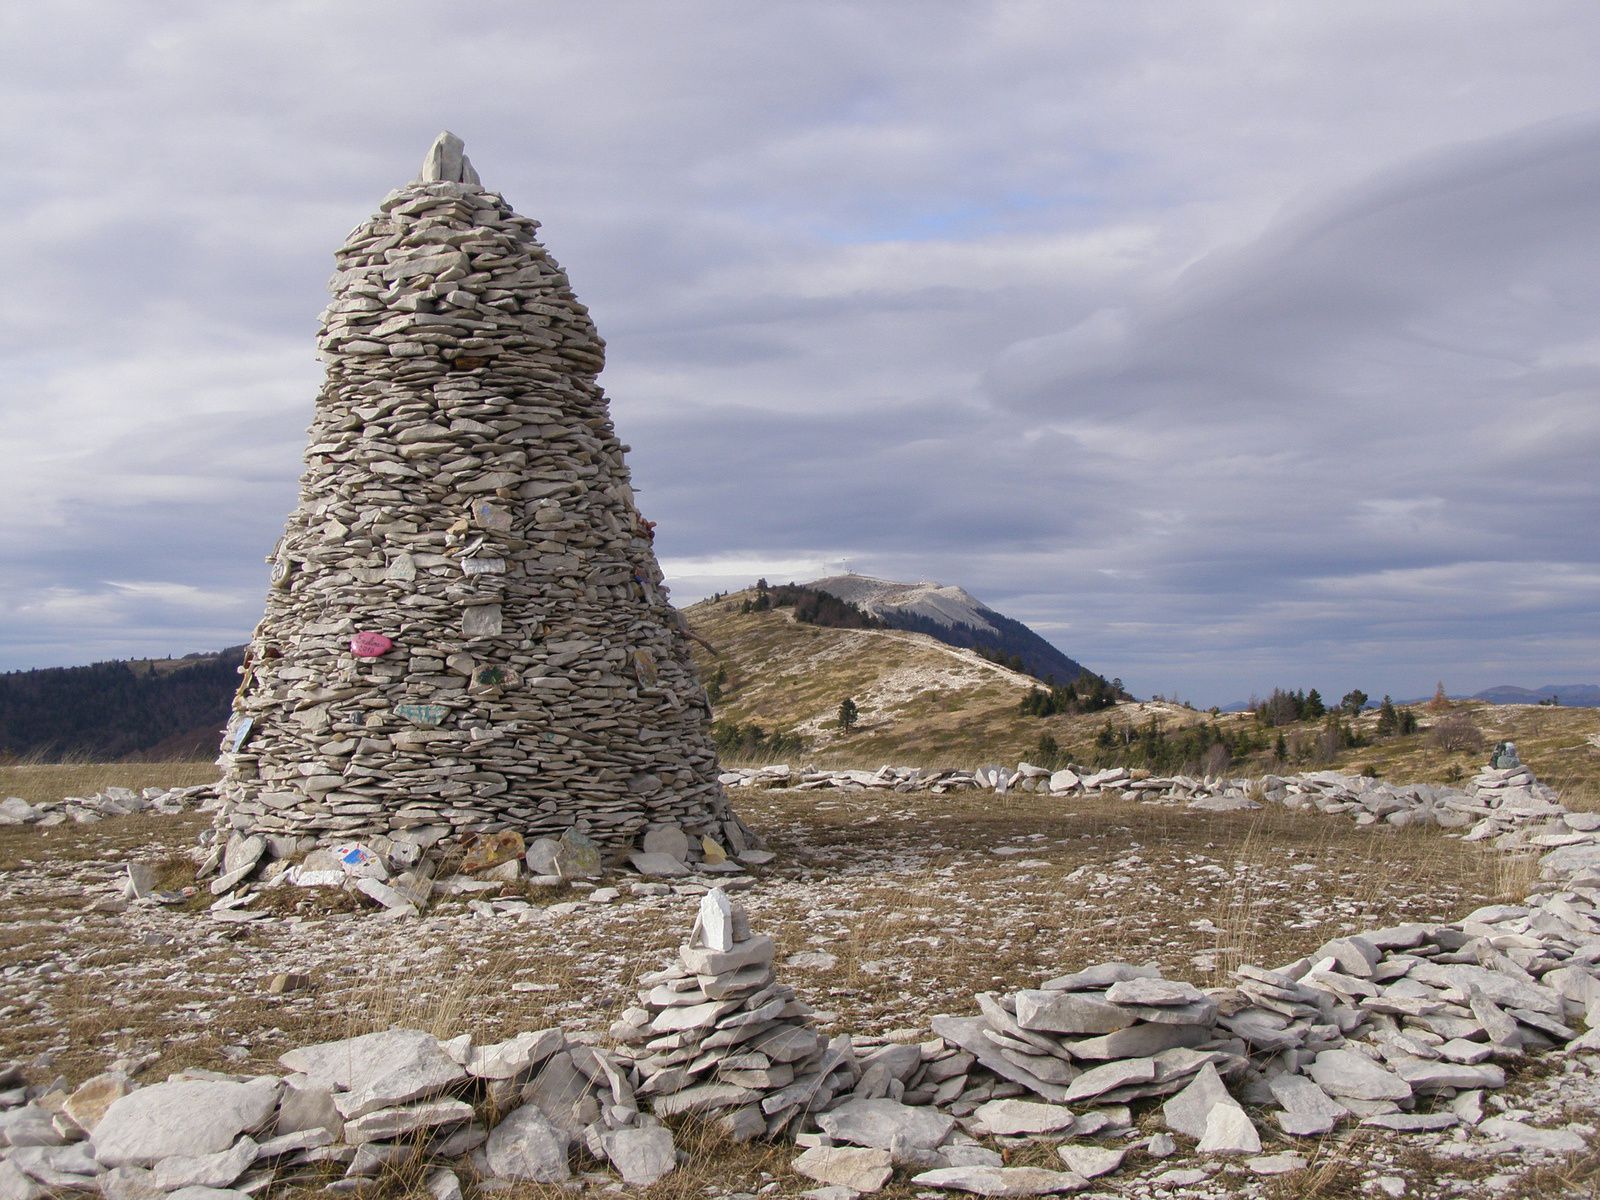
1498, 802
403, 872
1510, 801
112, 802
466, 629
1405, 1029
360, 1105
1108, 1035
715, 1033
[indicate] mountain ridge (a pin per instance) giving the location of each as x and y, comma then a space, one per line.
1571, 695
956, 617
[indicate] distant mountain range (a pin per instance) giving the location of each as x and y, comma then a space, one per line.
955, 617
1569, 695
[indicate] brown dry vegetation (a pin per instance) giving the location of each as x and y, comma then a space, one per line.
922, 900
40, 782
785, 675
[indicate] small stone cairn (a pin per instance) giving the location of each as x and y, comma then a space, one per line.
466, 629
714, 1033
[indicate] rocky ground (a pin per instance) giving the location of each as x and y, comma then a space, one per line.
887, 909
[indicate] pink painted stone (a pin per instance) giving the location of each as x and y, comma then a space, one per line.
370, 645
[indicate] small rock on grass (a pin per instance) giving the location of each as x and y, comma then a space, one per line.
641, 1156
1275, 1164
1003, 1181
1229, 1131
860, 1169
1091, 1161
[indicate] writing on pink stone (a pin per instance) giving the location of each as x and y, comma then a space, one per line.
370, 645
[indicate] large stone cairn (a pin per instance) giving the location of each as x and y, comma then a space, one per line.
466, 628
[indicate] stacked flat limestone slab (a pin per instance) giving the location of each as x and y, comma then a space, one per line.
466, 628
715, 1033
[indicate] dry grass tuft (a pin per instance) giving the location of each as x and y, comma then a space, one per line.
444, 1008
1514, 876
1334, 1172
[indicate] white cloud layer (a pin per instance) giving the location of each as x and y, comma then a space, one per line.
1230, 346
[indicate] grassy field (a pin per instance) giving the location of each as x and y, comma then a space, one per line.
36, 782
921, 902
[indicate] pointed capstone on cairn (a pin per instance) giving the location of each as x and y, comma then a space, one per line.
466, 627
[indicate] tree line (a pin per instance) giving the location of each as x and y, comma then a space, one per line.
111, 710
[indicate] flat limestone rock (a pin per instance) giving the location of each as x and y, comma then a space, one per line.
217, 1170
1101, 975
508, 1059
89, 1102
692, 1016
1069, 1012
1003, 1181
1347, 1073
880, 1124
1275, 1164
1425, 1075
526, 1146
657, 866
641, 1156
1009, 1117
1195, 1012
188, 1117
389, 1123
1153, 991
858, 1168
1229, 1131
701, 961
968, 1033
1531, 1137
1508, 992
1143, 1040
666, 839
704, 1098
1308, 1111
378, 1070
1188, 1112
1090, 1161
1413, 1122
1098, 1080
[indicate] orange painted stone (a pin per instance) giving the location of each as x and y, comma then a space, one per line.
492, 849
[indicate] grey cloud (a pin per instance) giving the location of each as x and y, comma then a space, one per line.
849, 260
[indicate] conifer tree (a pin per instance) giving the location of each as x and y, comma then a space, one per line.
848, 714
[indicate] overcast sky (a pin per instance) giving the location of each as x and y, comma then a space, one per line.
1227, 345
